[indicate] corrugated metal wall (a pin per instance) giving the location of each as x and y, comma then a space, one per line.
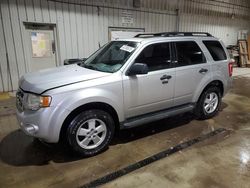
222, 20
81, 29
82, 25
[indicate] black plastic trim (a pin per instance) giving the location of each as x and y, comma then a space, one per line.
174, 34
154, 116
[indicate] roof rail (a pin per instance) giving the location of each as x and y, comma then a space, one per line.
173, 34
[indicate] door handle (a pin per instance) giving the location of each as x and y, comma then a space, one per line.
164, 77
202, 71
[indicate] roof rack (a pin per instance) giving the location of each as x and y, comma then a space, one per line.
173, 34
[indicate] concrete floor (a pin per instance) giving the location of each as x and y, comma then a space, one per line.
221, 161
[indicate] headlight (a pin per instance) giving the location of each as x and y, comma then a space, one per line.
34, 102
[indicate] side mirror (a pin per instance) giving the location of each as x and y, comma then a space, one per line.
138, 68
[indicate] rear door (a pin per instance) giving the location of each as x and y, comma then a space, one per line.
192, 69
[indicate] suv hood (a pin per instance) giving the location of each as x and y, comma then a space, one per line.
38, 82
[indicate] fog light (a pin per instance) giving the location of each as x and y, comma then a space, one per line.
31, 129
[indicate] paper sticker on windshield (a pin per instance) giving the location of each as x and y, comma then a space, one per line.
127, 48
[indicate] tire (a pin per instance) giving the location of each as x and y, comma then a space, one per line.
90, 132
206, 109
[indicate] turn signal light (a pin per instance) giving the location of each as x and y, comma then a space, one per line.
45, 101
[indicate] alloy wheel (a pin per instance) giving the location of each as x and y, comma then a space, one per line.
91, 133
211, 102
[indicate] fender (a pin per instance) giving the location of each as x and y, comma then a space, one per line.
203, 85
80, 98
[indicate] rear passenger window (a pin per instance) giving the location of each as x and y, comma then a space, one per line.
189, 53
156, 56
216, 50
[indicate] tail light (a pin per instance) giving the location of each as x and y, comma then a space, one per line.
230, 67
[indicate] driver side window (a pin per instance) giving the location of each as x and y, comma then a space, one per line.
156, 56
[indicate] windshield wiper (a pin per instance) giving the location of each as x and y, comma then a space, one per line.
89, 66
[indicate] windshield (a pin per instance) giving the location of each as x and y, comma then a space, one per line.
111, 57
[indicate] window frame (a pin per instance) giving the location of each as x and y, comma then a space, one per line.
176, 53
96, 53
222, 47
171, 52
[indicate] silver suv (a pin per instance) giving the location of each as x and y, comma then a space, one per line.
126, 83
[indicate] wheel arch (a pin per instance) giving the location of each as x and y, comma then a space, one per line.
217, 83
92, 105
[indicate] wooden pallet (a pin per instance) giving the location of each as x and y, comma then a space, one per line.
244, 61
248, 44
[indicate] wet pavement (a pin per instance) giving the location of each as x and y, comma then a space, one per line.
220, 161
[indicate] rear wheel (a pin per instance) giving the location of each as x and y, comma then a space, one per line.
90, 132
209, 103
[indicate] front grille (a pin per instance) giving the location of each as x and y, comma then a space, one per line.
20, 100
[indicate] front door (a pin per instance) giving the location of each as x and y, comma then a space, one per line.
41, 50
153, 91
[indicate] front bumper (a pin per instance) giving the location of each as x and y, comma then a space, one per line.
29, 129
37, 123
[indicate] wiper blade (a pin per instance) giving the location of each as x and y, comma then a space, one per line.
89, 67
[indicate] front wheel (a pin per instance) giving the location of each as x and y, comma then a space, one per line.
209, 103
90, 132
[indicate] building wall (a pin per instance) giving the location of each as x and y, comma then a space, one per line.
82, 25
220, 19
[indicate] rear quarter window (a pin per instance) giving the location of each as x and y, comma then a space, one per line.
216, 50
